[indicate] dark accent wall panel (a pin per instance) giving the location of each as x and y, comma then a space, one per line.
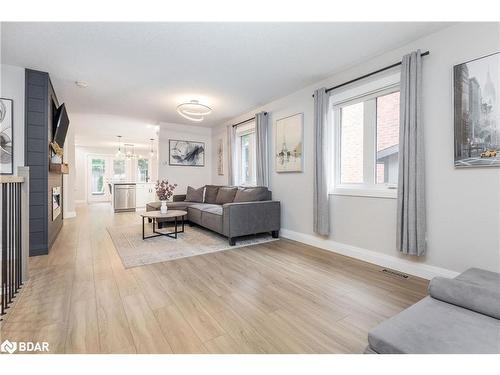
40, 101
36, 135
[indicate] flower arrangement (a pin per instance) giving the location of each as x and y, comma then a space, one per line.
164, 190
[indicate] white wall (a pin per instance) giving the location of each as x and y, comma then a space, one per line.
463, 205
69, 179
185, 176
12, 87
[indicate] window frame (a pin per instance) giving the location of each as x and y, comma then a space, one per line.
103, 176
243, 130
113, 160
369, 187
137, 171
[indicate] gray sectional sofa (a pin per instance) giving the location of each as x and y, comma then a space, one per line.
231, 211
460, 315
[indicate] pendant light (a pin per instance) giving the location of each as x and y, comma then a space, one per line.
130, 151
119, 153
151, 152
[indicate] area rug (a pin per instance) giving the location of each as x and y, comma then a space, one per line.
134, 251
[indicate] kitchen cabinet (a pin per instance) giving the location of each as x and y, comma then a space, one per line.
145, 193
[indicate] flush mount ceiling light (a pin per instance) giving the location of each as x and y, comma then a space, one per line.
82, 84
194, 110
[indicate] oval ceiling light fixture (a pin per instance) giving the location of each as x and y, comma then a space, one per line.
193, 110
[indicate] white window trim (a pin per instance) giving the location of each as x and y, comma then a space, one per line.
368, 188
242, 130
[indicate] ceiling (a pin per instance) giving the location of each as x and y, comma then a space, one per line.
144, 70
100, 131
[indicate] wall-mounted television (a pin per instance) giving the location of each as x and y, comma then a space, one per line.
61, 124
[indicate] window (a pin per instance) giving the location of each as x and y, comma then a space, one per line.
351, 143
119, 172
142, 170
97, 177
366, 141
387, 139
246, 159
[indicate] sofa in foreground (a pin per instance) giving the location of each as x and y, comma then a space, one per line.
231, 211
460, 315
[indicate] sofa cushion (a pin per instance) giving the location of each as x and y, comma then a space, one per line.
195, 195
472, 296
252, 194
205, 206
432, 326
226, 195
211, 193
486, 279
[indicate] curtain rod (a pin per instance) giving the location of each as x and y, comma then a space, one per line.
250, 119
370, 74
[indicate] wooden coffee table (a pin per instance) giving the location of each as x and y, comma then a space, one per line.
155, 215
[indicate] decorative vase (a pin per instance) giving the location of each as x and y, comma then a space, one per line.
163, 207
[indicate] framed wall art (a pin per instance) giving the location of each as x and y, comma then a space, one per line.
6, 136
220, 157
186, 153
476, 112
289, 143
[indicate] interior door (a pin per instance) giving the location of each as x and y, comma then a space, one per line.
97, 176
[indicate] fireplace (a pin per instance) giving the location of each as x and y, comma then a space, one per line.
56, 202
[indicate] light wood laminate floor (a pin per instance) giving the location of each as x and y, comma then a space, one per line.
279, 297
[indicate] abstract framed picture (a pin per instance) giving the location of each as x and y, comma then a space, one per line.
476, 112
220, 157
6, 136
289, 141
186, 153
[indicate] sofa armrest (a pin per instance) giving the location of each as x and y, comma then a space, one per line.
244, 218
179, 198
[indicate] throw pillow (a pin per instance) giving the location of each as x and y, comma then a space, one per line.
211, 193
195, 195
226, 195
253, 194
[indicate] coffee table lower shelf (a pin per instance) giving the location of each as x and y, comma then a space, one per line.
155, 215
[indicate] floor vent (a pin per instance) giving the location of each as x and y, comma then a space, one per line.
397, 274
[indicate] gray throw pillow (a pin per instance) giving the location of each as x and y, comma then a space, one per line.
252, 194
211, 193
195, 195
226, 195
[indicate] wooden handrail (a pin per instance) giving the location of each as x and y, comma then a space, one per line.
10, 179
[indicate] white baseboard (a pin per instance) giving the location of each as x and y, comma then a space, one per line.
422, 270
69, 215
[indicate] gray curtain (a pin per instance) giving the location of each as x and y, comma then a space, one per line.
261, 142
321, 202
231, 170
411, 227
